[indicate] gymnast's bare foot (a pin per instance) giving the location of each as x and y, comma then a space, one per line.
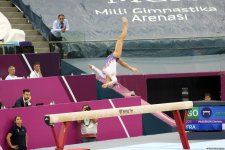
125, 22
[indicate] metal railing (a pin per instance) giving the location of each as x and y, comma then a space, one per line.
7, 48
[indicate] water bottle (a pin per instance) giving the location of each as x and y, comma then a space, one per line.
52, 103
132, 93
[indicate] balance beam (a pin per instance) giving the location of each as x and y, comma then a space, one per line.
123, 111
51, 119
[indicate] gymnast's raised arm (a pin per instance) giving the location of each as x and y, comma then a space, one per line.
125, 65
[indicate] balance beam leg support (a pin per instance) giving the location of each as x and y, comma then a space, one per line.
60, 141
181, 129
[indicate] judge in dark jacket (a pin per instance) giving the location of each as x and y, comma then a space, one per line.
25, 100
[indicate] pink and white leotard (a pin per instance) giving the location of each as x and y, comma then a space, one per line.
109, 68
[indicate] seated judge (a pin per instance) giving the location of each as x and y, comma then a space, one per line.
11, 75
25, 100
36, 73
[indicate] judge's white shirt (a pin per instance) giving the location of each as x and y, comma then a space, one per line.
34, 74
10, 77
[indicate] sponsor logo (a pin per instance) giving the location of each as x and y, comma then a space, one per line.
206, 112
125, 111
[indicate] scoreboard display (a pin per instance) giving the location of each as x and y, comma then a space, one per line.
206, 118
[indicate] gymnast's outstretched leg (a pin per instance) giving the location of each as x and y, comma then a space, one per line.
110, 70
119, 44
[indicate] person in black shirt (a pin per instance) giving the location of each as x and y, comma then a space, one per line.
17, 135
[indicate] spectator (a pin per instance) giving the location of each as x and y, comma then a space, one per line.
11, 75
60, 25
36, 73
17, 135
88, 127
25, 100
207, 97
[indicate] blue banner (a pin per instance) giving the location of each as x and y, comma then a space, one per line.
203, 127
156, 27
206, 118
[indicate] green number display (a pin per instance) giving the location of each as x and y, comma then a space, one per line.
193, 113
